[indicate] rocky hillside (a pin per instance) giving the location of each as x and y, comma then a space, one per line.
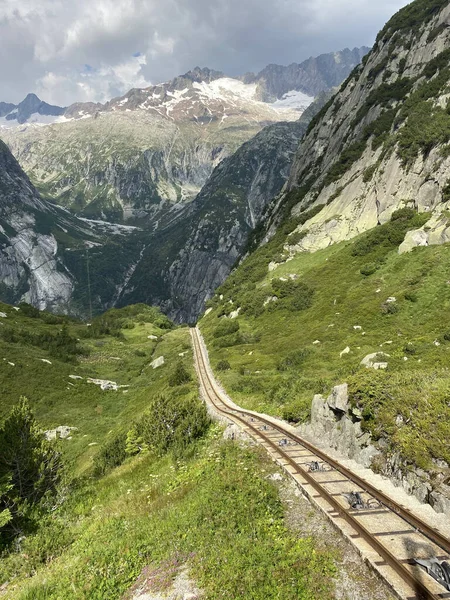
201, 246
335, 295
382, 142
39, 241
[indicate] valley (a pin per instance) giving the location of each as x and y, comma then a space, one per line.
224, 308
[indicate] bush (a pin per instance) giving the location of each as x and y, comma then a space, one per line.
172, 423
368, 270
180, 375
294, 359
297, 411
411, 296
111, 454
389, 308
30, 468
223, 365
226, 327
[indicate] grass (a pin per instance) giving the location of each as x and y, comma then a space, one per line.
277, 368
58, 399
211, 506
225, 522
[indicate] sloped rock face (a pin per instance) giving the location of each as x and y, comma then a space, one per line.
29, 267
382, 143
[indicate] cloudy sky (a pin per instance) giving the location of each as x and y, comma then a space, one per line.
92, 50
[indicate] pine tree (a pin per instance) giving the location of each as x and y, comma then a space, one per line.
30, 465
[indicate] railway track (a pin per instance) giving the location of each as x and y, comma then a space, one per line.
387, 535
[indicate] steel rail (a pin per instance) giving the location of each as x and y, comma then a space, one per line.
399, 567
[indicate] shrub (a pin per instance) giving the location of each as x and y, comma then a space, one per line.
411, 296
172, 423
179, 376
296, 237
368, 270
294, 359
111, 454
223, 365
389, 308
297, 411
410, 348
30, 467
369, 173
226, 327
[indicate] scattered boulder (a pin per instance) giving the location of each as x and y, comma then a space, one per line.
391, 300
208, 311
371, 361
158, 362
44, 360
270, 299
316, 342
357, 327
75, 377
152, 337
235, 313
3, 315
105, 384
63, 432
338, 400
345, 351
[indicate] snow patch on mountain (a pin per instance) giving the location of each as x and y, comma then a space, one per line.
35, 119
293, 100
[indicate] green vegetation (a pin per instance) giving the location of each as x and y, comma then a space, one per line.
224, 523
148, 483
296, 354
411, 17
30, 469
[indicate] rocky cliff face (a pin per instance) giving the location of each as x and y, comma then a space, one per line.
382, 142
29, 267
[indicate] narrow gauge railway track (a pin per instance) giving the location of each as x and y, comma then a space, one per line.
389, 536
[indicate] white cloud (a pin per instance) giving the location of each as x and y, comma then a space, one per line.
45, 45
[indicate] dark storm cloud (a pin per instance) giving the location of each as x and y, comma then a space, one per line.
46, 45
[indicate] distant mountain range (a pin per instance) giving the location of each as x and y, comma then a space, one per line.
201, 91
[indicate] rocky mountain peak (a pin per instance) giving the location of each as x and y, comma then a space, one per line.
203, 74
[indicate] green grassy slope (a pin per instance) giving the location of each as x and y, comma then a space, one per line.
339, 299
57, 399
211, 507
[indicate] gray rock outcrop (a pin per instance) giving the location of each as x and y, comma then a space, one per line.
333, 420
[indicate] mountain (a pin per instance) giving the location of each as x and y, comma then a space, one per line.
315, 75
382, 142
31, 110
35, 234
147, 168
142, 154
